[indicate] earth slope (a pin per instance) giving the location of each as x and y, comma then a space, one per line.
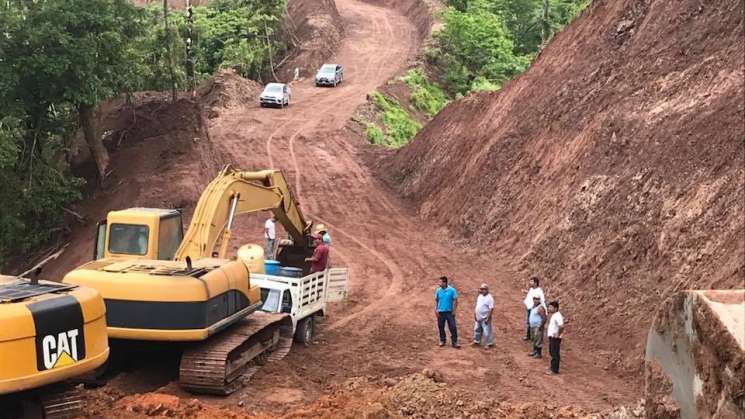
613, 167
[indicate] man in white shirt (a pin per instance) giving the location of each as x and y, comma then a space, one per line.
555, 331
482, 317
533, 290
270, 233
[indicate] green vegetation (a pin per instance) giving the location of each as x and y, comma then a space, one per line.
484, 43
374, 134
398, 126
426, 96
237, 34
60, 59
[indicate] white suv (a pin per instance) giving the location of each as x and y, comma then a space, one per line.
275, 94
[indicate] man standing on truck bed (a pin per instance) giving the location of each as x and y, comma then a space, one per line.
446, 302
320, 257
270, 233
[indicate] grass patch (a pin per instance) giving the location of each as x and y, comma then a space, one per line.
398, 125
426, 97
374, 134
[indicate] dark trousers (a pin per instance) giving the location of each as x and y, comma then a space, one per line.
527, 324
554, 348
447, 316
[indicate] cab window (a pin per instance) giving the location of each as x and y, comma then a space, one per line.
169, 237
270, 298
100, 244
129, 239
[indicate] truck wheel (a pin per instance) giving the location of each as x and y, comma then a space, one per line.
304, 332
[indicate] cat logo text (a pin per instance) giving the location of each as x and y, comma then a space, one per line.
60, 349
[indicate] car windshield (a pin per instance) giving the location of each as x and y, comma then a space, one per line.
328, 69
273, 88
270, 299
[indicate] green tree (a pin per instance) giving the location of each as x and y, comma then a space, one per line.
57, 60
75, 52
475, 44
483, 43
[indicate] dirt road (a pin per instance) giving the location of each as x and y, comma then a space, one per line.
387, 328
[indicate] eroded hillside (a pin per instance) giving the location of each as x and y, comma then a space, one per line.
613, 167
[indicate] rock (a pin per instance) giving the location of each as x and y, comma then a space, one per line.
433, 375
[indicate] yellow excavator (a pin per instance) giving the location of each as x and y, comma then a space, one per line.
49, 333
162, 285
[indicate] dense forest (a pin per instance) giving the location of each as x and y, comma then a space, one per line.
484, 43
60, 59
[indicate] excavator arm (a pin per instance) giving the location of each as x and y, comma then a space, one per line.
235, 192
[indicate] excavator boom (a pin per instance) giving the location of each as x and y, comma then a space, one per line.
235, 192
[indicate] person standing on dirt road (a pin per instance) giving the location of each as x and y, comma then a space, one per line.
270, 234
536, 320
533, 290
319, 260
555, 331
482, 317
446, 302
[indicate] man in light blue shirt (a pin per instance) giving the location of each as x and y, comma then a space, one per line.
446, 302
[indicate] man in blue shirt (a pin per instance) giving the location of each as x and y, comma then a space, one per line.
446, 302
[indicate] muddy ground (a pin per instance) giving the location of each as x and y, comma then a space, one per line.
375, 355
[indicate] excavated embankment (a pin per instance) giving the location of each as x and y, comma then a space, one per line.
613, 167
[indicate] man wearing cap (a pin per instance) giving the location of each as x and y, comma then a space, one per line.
534, 289
320, 257
483, 313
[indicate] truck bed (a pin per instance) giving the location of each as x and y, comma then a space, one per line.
313, 291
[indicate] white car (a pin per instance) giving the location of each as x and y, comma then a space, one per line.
275, 94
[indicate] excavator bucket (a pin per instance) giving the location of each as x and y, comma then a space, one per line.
695, 357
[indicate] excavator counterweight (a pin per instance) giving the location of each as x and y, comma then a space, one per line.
49, 333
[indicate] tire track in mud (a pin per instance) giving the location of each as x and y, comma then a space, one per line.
396, 276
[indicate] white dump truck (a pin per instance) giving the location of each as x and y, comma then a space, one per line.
302, 298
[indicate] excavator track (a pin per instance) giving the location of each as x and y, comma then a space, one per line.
62, 402
222, 363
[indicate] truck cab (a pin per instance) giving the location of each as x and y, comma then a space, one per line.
139, 233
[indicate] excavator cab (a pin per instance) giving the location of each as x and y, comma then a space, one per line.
139, 233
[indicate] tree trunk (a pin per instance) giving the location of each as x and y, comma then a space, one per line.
174, 97
189, 57
269, 47
95, 144
546, 26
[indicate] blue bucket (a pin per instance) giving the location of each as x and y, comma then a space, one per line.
290, 272
271, 267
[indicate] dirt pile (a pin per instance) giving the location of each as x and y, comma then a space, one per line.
314, 29
614, 167
226, 90
151, 405
421, 396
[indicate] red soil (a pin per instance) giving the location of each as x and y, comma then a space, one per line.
614, 167
368, 351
